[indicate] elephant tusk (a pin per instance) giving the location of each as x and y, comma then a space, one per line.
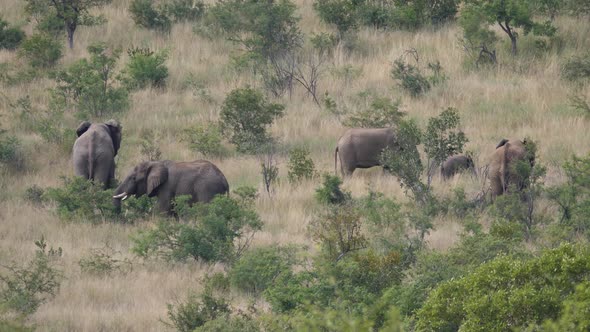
124, 198
120, 195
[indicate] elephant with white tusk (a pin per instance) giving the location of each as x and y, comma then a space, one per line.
95, 150
167, 179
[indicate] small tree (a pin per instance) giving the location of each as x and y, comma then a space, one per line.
41, 51
442, 139
300, 165
245, 115
382, 113
10, 37
145, 15
71, 12
205, 138
89, 84
145, 68
510, 15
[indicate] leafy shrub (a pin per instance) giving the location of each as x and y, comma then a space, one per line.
101, 262
218, 231
574, 316
443, 139
35, 195
146, 16
41, 51
246, 195
338, 12
145, 68
257, 269
24, 289
245, 115
205, 138
184, 10
507, 293
300, 165
82, 200
410, 78
11, 154
228, 323
577, 68
89, 85
382, 113
195, 311
573, 199
405, 162
330, 192
10, 38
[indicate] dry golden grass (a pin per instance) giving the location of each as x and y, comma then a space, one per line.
515, 100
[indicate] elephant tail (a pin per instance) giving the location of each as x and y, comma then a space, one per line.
336, 161
91, 157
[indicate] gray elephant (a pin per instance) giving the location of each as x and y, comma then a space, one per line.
362, 147
455, 164
502, 172
95, 150
167, 179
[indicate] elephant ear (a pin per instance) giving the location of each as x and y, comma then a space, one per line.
115, 132
502, 143
157, 175
82, 128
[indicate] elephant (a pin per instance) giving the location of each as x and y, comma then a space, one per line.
502, 172
167, 179
455, 164
362, 147
95, 150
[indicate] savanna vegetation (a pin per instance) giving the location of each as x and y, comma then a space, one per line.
264, 90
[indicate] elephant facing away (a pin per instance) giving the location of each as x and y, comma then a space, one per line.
362, 147
95, 150
455, 164
167, 179
502, 172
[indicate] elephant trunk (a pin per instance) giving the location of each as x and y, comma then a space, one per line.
118, 196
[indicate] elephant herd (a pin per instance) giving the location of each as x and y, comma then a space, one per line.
362, 147
97, 145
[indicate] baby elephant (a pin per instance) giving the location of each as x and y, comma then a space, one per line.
455, 164
167, 179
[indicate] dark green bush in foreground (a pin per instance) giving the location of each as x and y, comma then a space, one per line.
507, 293
10, 37
218, 231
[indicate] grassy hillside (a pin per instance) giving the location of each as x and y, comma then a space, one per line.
524, 96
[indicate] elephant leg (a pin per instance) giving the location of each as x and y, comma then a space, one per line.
165, 203
497, 187
102, 173
81, 166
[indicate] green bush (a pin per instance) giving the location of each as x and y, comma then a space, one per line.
258, 268
574, 316
410, 78
89, 85
11, 154
82, 200
228, 323
10, 38
442, 139
330, 192
41, 51
338, 12
218, 231
507, 293
145, 68
382, 113
184, 10
300, 165
24, 288
577, 68
35, 195
205, 138
146, 16
195, 311
102, 262
245, 115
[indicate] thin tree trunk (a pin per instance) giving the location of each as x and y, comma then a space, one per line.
513, 41
71, 28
